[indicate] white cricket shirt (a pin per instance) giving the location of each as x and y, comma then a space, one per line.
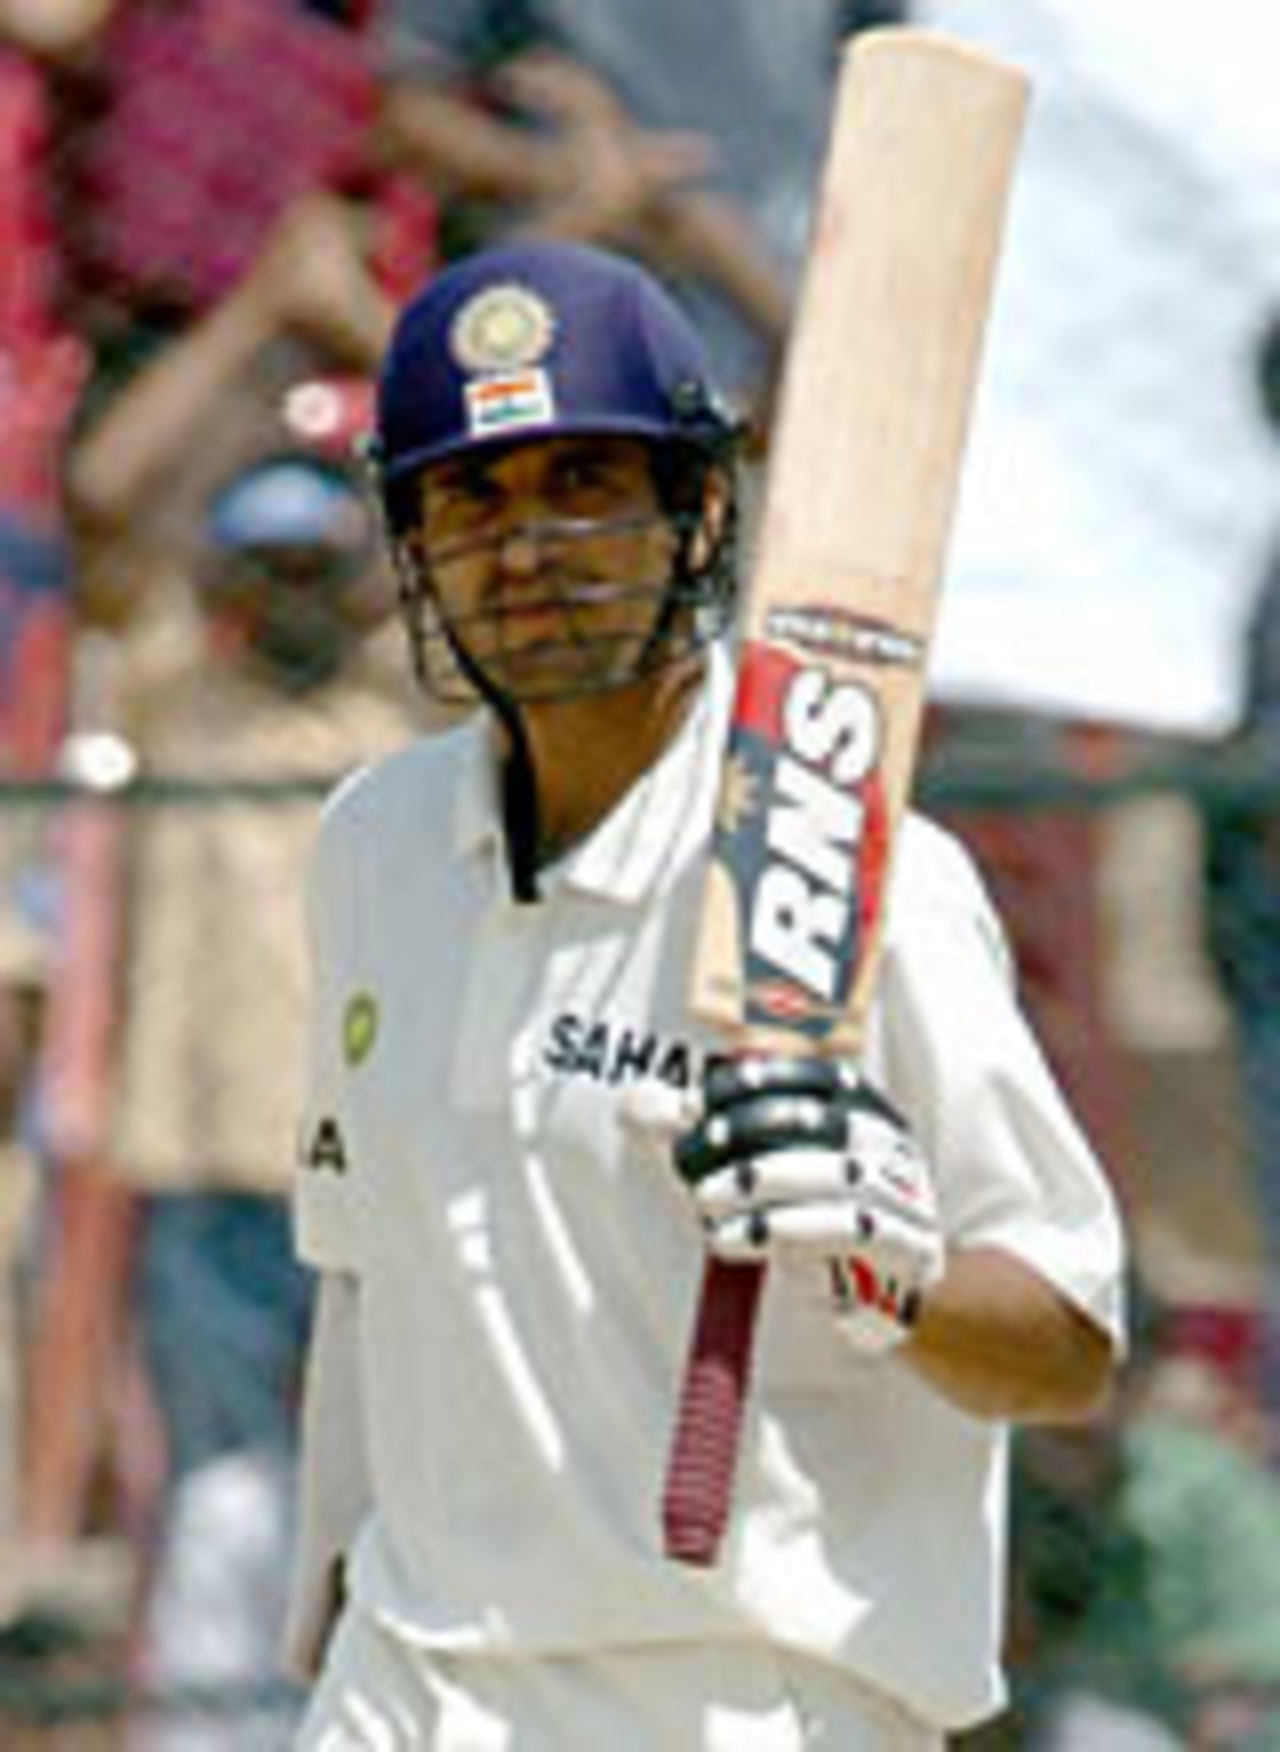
529, 1261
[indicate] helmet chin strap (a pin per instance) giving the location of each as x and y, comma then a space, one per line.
521, 809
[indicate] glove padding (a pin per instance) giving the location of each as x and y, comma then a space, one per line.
800, 1159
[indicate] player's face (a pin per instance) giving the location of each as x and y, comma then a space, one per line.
296, 608
549, 561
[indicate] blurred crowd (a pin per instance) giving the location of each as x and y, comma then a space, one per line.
208, 211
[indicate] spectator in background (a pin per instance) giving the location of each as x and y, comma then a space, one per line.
690, 135
151, 452
151, 151
1242, 905
39, 374
1147, 1566
187, 129
309, 310
142, 463
216, 170
283, 689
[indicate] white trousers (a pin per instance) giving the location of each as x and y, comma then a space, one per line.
379, 1694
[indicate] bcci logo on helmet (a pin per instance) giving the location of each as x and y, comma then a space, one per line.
504, 328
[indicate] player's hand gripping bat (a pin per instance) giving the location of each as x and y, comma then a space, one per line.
875, 401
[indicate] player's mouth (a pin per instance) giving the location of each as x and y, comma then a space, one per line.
557, 611
530, 619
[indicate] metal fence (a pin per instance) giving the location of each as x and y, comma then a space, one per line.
1106, 862
1132, 365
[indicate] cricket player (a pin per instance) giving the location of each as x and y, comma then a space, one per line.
513, 1159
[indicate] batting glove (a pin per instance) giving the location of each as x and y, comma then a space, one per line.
801, 1160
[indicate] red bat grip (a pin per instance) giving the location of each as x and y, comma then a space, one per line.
699, 1485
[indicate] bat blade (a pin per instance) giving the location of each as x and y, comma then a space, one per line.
862, 479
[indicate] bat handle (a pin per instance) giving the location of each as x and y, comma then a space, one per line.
704, 1448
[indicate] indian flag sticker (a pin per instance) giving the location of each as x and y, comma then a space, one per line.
359, 1028
510, 402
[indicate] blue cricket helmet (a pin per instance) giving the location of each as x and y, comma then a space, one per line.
287, 500
545, 340
539, 339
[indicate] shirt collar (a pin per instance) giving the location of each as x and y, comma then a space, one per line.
648, 836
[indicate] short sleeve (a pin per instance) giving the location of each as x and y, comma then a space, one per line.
1015, 1169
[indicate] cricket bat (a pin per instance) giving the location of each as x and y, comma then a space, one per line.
862, 477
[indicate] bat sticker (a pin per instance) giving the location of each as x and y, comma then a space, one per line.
803, 834
835, 632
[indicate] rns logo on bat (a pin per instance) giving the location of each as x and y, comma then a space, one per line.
804, 908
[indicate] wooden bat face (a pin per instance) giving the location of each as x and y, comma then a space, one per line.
861, 487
